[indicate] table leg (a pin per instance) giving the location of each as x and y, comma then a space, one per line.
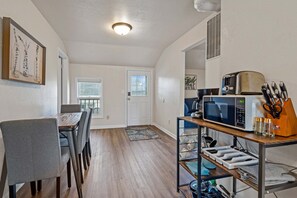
3, 177
75, 163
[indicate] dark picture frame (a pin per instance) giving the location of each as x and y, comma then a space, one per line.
24, 57
190, 82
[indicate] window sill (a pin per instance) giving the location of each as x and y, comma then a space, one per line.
97, 117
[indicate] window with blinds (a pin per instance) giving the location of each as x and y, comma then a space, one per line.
89, 95
214, 37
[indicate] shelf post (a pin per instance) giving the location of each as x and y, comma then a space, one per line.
261, 176
177, 156
234, 187
199, 180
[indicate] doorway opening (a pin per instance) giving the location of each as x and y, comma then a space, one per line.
195, 61
63, 79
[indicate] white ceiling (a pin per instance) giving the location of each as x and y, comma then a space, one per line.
195, 58
85, 28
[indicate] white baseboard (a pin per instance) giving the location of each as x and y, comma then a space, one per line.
109, 126
165, 130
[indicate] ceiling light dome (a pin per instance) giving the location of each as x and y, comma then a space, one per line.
122, 28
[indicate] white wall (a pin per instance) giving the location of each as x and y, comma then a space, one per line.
195, 58
23, 100
200, 82
212, 73
169, 78
114, 91
262, 36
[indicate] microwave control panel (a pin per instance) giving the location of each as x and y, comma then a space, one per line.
240, 112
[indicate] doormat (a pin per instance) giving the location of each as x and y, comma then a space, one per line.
141, 133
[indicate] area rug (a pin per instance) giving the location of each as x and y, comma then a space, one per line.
141, 133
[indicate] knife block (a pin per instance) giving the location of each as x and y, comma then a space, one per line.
287, 123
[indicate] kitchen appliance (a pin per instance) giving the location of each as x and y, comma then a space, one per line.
242, 83
197, 106
237, 111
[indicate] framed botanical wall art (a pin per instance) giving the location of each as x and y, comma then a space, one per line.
190, 82
23, 56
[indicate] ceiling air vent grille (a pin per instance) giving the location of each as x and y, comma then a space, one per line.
214, 37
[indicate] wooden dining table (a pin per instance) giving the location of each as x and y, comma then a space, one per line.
67, 124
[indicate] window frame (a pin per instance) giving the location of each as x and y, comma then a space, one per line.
146, 83
98, 80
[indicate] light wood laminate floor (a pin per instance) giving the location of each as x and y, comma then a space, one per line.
121, 168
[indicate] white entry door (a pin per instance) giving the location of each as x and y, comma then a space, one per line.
139, 98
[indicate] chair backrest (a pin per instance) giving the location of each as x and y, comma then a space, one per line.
70, 108
32, 149
89, 124
82, 130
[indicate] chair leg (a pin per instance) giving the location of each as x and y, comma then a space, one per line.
84, 158
69, 173
12, 191
89, 148
87, 155
58, 184
33, 188
80, 166
39, 185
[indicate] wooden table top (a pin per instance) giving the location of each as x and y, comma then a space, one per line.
68, 120
242, 134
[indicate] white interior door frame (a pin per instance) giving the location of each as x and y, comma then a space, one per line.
63, 79
151, 89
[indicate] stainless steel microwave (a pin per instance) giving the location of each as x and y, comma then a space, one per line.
236, 111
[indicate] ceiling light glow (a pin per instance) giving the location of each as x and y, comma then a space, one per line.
122, 28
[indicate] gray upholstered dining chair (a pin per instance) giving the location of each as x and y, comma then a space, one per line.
88, 140
81, 141
33, 152
70, 108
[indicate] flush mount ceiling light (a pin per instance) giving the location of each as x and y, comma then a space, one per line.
207, 5
122, 28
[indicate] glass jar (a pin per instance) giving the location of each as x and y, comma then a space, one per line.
268, 128
259, 125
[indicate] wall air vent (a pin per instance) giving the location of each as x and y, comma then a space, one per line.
207, 5
214, 37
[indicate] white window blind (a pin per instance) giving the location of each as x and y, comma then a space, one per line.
89, 95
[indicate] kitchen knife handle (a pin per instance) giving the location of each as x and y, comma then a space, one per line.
274, 86
279, 96
271, 90
266, 97
270, 95
283, 88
